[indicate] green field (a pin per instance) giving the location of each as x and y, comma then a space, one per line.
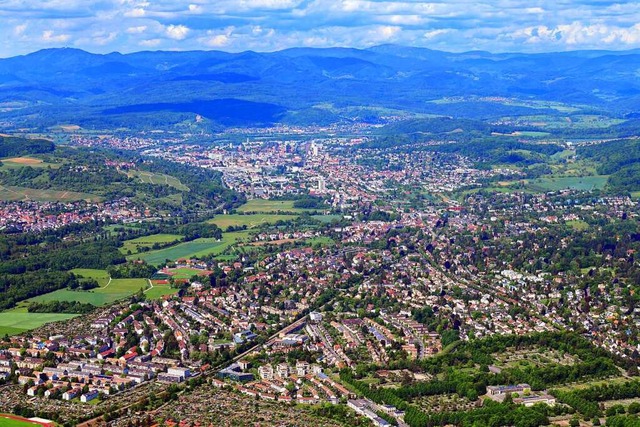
17, 321
157, 178
158, 292
185, 273
583, 183
578, 225
22, 161
269, 206
10, 422
148, 242
109, 292
251, 221
100, 276
9, 193
196, 248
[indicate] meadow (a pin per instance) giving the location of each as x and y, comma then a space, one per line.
157, 178
584, 183
114, 290
20, 162
269, 206
132, 246
16, 321
10, 193
196, 248
250, 221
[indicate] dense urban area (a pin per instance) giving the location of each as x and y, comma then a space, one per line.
321, 276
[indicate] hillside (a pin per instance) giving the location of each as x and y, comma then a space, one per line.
302, 86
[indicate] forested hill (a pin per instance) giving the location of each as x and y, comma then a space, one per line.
15, 146
303, 86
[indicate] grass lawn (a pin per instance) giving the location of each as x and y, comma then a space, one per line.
158, 292
578, 225
158, 178
10, 422
16, 321
635, 194
267, 206
327, 218
196, 248
251, 221
106, 294
321, 240
148, 241
187, 273
9, 193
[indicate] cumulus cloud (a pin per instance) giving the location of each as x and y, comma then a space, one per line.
177, 32
454, 25
49, 36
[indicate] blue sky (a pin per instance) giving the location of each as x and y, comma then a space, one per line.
265, 25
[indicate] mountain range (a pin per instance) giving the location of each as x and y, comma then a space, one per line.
309, 86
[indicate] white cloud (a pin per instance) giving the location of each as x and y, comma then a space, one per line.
136, 30
18, 30
150, 43
48, 36
135, 13
177, 32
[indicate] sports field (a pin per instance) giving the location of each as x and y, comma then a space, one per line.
148, 242
251, 221
18, 320
196, 248
268, 206
158, 292
10, 193
7, 420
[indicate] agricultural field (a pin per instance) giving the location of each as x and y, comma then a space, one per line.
19, 162
250, 221
157, 178
16, 321
268, 206
196, 248
133, 246
10, 193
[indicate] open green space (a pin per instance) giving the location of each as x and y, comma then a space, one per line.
268, 206
108, 293
16, 321
158, 292
196, 248
133, 245
157, 178
185, 273
584, 183
578, 225
10, 422
11, 193
23, 161
100, 276
250, 221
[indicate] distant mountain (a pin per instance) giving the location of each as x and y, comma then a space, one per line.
304, 85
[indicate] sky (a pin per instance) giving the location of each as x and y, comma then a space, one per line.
103, 26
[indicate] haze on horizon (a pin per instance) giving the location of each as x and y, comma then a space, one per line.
103, 26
